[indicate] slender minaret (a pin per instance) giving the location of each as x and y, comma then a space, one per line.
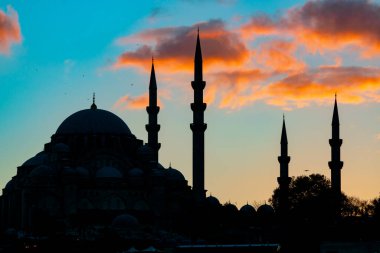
335, 164
198, 126
284, 179
152, 127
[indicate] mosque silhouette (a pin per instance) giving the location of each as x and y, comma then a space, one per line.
95, 174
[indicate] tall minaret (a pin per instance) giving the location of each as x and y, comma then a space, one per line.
284, 179
198, 126
335, 164
152, 128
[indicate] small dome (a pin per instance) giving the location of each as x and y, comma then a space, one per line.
135, 172
82, 172
173, 174
125, 221
36, 160
93, 121
230, 208
212, 201
42, 171
265, 210
108, 172
10, 185
158, 172
69, 171
145, 153
61, 148
247, 210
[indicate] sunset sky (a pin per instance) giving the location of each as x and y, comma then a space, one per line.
262, 59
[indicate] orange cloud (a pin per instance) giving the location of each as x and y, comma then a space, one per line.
353, 84
238, 75
129, 102
9, 29
278, 55
259, 25
325, 24
174, 47
232, 87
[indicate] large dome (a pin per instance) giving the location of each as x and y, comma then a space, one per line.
93, 121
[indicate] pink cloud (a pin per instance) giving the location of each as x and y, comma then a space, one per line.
10, 32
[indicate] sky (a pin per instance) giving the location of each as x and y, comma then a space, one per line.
262, 59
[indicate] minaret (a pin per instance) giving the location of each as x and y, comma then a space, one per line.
284, 179
198, 126
335, 164
152, 127
93, 106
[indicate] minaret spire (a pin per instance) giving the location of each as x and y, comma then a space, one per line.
152, 127
335, 164
93, 106
284, 179
198, 126
198, 65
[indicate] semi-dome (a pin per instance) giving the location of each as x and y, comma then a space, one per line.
135, 172
69, 171
42, 171
82, 172
173, 174
108, 172
10, 185
38, 159
93, 121
61, 148
125, 221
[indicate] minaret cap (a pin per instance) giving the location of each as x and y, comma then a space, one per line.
152, 83
93, 106
284, 138
335, 119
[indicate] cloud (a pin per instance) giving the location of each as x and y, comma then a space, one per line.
269, 60
259, 25
133, 103
174, 47
129, 102
232, 87
326, 24
10, 32
354, 85
278, 55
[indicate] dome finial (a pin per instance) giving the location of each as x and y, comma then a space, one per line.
93, 106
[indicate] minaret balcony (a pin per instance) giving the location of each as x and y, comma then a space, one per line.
335, 165
152, 109
283, 159
335, 142
198, 85
196, 127
195, 107
152, 128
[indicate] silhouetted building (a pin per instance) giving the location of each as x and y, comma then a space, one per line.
284, 179
152, 127
95, 172
93, 166
198, 126
335, 164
